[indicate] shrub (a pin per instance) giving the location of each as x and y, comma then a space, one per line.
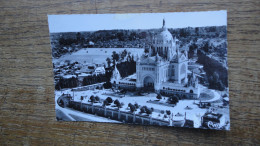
162, 111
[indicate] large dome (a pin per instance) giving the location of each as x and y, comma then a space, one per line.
165, 35
164, 44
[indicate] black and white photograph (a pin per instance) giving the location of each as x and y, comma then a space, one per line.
164, 69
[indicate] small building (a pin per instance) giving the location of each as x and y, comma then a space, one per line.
99, 70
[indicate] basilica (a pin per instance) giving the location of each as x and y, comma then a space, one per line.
164, 69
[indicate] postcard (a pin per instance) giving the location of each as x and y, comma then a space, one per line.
164, 69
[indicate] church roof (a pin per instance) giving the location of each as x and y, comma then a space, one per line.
116, 75
164, 35
179, 57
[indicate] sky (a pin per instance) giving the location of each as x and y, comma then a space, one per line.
94, 22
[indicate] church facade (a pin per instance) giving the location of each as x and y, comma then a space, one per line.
164, 69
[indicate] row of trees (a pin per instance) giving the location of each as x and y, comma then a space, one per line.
127, 65
62, 41
133, 107
66, 83
216, 74
89, 80
143, 109
108, 101
94, 79
209, 32
94, 99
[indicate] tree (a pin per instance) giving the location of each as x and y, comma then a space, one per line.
132, 36
168, 112
183, 32
159, 96
192, 48
92, 99
215, 82
81, 98
206, 47
79, 37
117, 103
136, 105
197, 31
108, 62
132, 58
132, 108
97, 98
107, 85
115, 56
109, 100
149, 111
123, 54
66, 83
129, 57
143, 109
105, 103
114, 63
215, 77
120, 36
